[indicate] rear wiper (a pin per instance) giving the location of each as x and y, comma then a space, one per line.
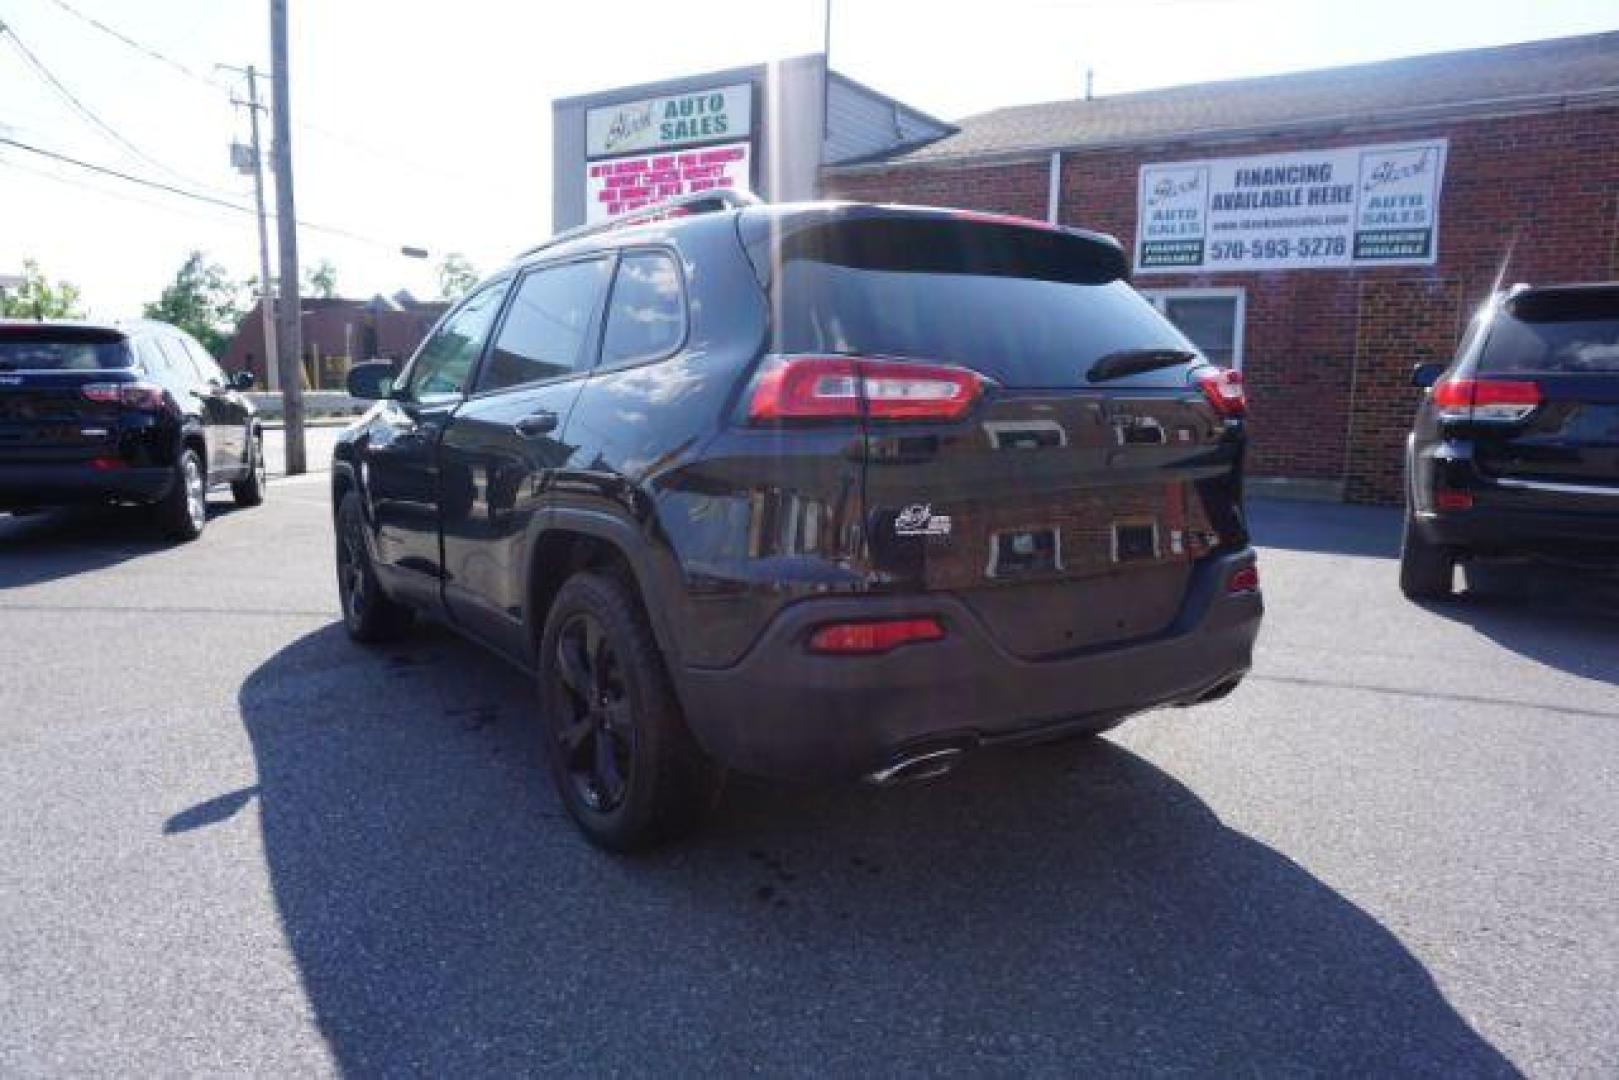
1116, 365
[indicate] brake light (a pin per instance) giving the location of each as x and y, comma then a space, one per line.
107, 464
1244, 579
1496, 401
1452, 499
870, 638
845, 388
134, 395
1223, 387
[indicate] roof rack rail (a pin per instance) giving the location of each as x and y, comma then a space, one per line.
711, 201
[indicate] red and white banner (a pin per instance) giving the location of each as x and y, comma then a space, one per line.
628, 183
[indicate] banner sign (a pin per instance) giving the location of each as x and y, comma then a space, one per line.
1355, 206
629, 183
722, 114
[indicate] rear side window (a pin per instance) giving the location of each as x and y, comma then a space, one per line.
1012, 304
53, 349
647, 317
543, 336
1571, 333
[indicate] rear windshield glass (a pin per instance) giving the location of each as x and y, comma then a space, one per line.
1013, 304
33, 350
1568, 333
1018, 331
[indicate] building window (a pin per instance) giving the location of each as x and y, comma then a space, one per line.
1212, 318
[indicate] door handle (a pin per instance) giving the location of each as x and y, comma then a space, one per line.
536, 424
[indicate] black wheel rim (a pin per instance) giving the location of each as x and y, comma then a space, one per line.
595, 728
351, 572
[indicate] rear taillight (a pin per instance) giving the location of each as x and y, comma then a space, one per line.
1223, 388
868, 638
134, 395
845, 388
1492, 401
1244, 579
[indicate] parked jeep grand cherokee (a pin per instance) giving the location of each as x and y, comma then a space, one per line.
807, 491
1515, 450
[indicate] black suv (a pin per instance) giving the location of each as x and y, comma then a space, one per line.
132, 413
1515, 449
807, 491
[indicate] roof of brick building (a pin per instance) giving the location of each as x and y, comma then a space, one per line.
1504, 78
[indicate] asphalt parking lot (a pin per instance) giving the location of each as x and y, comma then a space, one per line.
231, 841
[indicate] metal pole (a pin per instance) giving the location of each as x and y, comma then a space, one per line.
290, 354
266, 298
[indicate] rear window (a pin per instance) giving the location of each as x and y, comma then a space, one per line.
1016, 305
1572, 332
53, 349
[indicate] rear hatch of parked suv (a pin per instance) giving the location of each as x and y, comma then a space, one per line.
1038, 440
62, 389
1544, 400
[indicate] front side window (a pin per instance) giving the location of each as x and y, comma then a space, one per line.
445, 360
544, 334
647, 318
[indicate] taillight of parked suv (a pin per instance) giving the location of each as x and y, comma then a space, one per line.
791, 388
1494, 401
135, 395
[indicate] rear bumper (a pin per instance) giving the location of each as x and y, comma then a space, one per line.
56, 485
786, 713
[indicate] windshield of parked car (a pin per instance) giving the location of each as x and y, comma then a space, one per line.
57, 350
999, 301
1568, 333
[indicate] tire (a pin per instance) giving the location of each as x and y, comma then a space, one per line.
627, 768
1427, 570
369, 614
249, 490
182, 514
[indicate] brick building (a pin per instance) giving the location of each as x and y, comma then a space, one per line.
340, 330
1381, 203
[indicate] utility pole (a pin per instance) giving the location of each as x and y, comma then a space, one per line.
290, 339
272, 359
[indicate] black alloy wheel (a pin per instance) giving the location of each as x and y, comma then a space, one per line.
595, 735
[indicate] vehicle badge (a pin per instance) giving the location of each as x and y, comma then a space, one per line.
920, 520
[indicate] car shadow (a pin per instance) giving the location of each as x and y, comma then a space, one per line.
60, 543
1327, 528
1559, 617
1047, 910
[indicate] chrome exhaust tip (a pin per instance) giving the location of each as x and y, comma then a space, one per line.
914, 768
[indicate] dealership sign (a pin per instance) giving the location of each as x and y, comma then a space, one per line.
623, 184
723, 114
1355, 206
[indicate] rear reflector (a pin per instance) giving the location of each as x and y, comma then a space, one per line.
107, 464
1244, 579
1451, 499
134, 395
867, 638
1223, 388
1496, 401
845, 388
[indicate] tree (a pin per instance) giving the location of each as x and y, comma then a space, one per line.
456, 276
203, 301
37, 298
321, 280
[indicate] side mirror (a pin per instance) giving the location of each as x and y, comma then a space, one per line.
242, 380
1424, 376
372, 380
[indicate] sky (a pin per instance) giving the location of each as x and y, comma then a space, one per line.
429, 124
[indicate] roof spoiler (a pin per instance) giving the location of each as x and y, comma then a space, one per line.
711, 201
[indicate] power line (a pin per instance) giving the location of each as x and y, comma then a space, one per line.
84, 110
137, 46
349, 141
172, 190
